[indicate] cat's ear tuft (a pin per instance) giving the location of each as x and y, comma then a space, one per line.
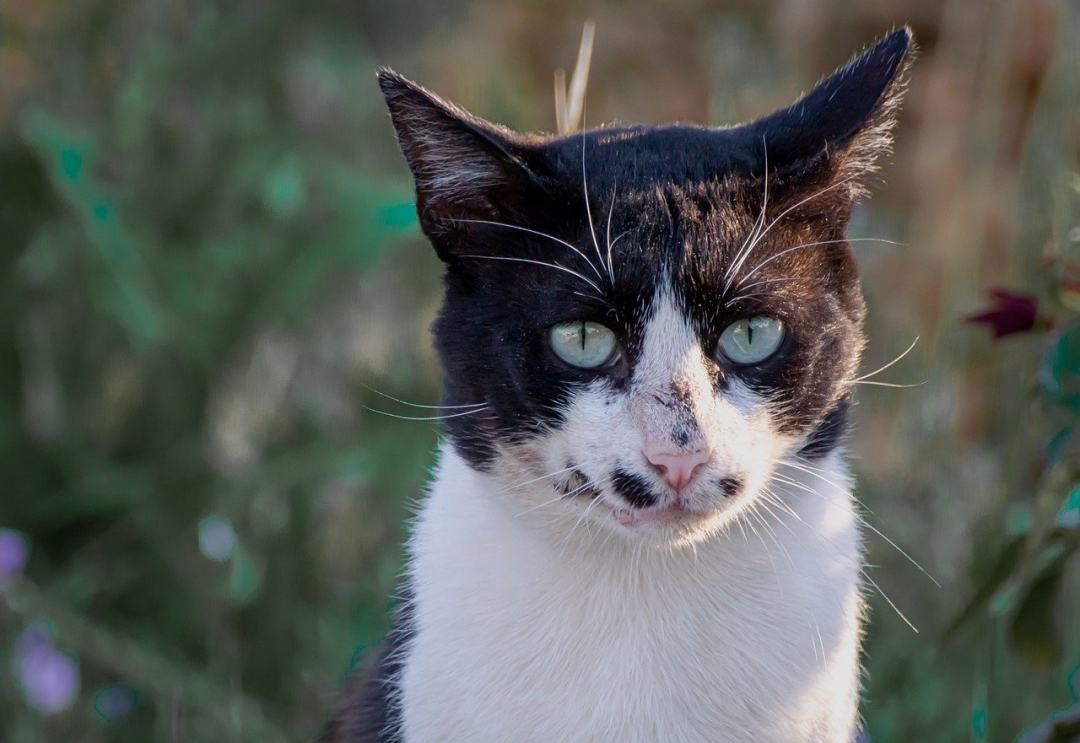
464, 167
841, 128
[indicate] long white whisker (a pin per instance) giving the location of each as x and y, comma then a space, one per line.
885, 596
611, 209
417, 405
751, 239
885, 384
793, 248
585, 193
883, 368
766, 281
581, 518
559, 497
537, 507
536, 263
425, 417
869, 526
770, 497
538, 234
536, 479
796, 205
845, 491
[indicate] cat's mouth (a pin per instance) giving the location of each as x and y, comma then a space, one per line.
674, 513
666, 514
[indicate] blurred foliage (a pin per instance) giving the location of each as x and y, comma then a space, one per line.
209, 257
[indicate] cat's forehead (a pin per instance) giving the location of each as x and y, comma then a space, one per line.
640, 159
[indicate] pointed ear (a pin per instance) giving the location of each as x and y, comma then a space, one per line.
464, 167
839, 130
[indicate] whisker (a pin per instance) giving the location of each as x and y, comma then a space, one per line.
796, 205
611, 209
883, 368
601, 300
536, 479
886, 384
793, 248
743, 298
885, 596
424, 417
417, 405
537, 507
843, 490
751, 239
536, 263
585, 192
869, 526
583, 516
766, 281
538, 234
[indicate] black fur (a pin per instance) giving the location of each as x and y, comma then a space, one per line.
682, 200
369, 713
830, 432
633, 489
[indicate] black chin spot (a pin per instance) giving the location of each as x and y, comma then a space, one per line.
633, 489
729, 486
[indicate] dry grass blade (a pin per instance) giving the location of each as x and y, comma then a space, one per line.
569, 106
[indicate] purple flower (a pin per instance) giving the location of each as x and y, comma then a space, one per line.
48, 677
1011, 313
14, 549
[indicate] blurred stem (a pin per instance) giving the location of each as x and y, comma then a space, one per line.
142, 668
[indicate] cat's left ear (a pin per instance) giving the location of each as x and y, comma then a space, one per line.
834, 135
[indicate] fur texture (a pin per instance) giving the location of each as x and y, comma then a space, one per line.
560, 588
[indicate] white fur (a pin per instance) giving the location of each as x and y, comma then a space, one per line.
539, 618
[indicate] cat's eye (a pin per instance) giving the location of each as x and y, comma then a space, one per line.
584, 344
751, 340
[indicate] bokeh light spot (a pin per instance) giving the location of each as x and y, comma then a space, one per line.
217, 538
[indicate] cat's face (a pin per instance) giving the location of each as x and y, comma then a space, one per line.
648, 320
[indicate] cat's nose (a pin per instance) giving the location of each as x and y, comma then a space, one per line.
678, 469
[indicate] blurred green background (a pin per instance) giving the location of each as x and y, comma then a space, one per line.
208, 254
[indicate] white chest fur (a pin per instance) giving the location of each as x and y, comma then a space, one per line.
747, 637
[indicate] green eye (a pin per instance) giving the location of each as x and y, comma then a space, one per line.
752, 339
584, 344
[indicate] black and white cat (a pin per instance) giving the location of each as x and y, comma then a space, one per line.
641, 526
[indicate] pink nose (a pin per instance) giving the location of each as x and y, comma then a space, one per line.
678, 469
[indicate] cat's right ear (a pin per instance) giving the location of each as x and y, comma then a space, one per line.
464, 167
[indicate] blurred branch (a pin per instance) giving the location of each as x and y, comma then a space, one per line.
146, 669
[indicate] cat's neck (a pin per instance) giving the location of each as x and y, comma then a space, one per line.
762, 616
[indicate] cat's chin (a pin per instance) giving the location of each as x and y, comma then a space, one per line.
672, 523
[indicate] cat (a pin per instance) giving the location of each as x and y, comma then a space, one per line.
641, 526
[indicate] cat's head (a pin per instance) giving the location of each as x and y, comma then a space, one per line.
650, 317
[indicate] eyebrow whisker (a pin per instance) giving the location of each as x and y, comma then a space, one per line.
538, 234
883, 368
418, 405
585, 193
556, 266
751, 239
793, 248
611, 209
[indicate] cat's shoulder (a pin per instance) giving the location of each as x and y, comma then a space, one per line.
368, 711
